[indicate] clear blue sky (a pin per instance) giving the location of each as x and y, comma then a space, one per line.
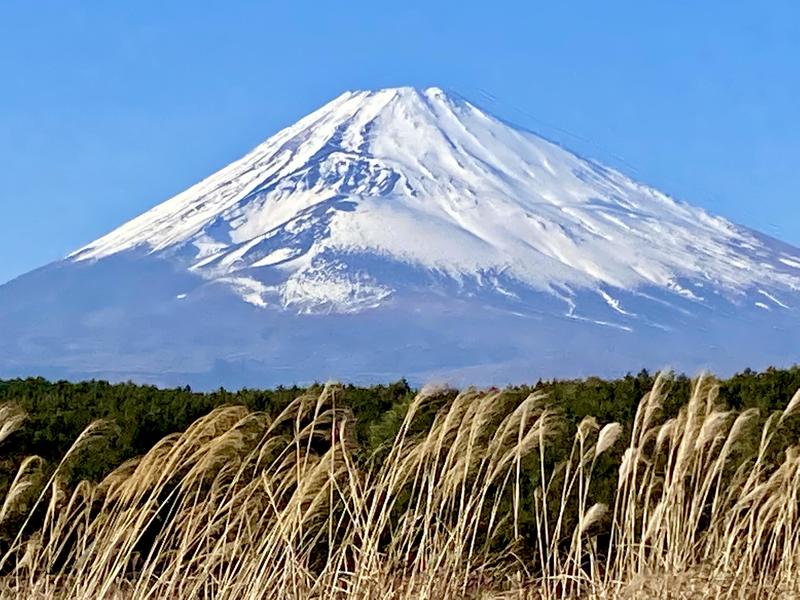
107, 108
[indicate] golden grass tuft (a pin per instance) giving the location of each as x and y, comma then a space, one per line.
244, 506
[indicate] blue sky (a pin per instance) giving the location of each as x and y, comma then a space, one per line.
107, 109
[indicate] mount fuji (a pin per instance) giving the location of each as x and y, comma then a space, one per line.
407, 233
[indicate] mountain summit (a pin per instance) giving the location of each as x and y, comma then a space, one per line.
406, 232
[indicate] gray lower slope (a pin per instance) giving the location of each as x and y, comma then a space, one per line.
148, 320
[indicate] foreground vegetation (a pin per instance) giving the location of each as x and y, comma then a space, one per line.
640, 488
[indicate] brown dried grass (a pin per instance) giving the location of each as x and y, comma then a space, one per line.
244, 506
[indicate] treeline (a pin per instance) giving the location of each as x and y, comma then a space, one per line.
142, 415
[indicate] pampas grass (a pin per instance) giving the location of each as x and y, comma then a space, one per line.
245, 505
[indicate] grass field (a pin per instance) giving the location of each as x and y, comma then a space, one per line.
250, 505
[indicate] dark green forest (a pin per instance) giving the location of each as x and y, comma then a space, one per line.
142, 415
57, 412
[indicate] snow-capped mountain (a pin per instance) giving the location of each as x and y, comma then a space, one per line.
406, 232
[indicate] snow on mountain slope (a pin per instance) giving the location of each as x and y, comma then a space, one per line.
406, 233
429, 180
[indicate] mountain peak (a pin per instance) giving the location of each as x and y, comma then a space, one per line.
403, 232
435, 185
405, 91
403, 100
